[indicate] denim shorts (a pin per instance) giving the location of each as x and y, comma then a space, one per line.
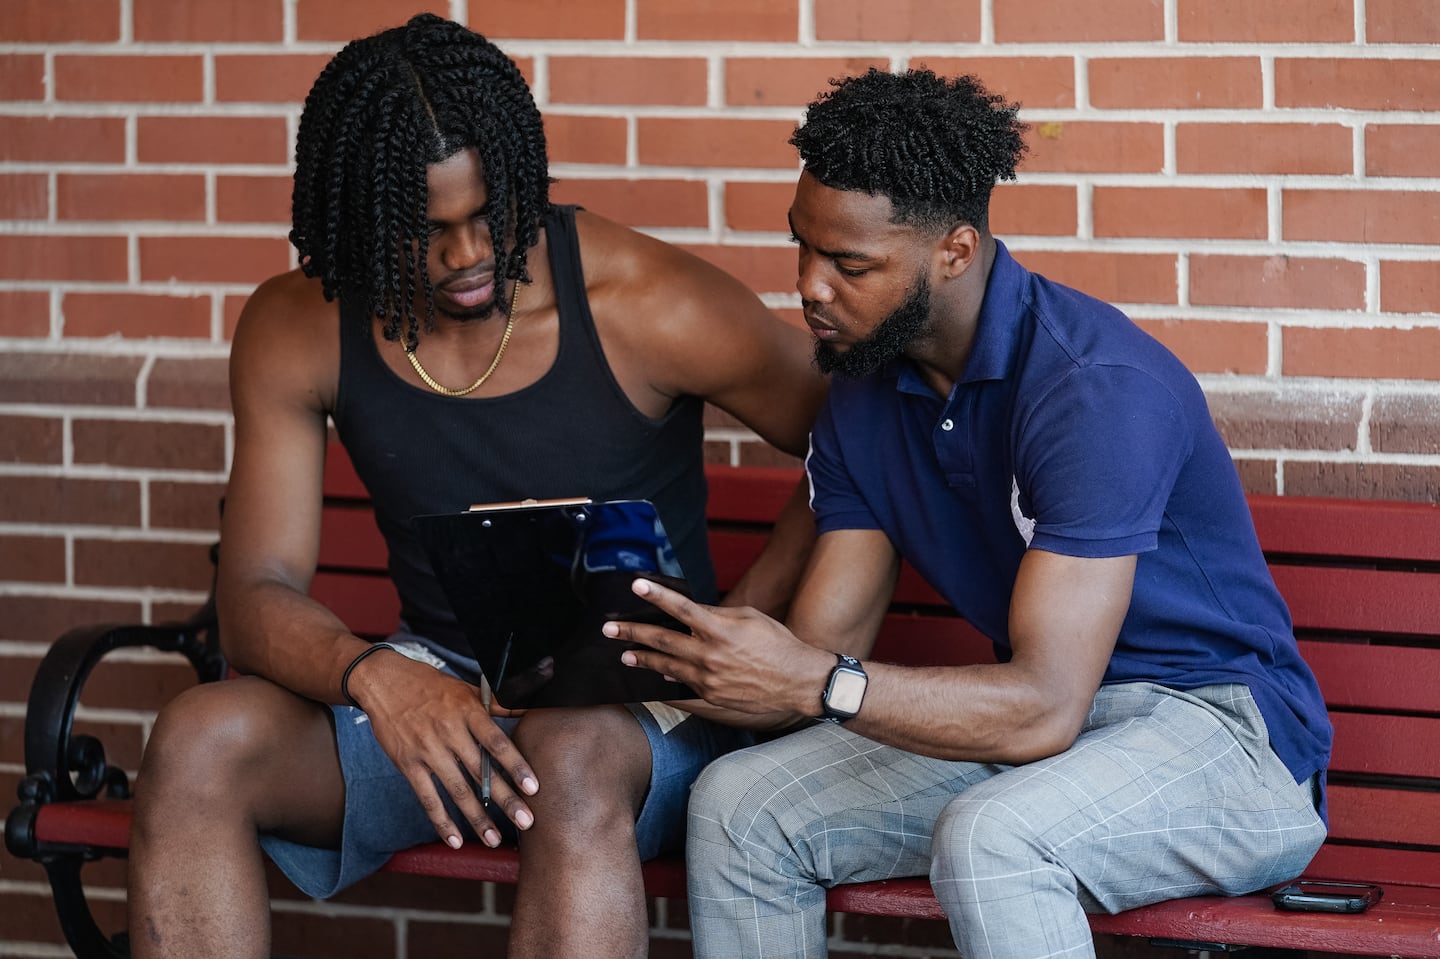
382, 815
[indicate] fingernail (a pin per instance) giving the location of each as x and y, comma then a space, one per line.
453, 842
611, 630
529, 785
627, 658
523, 819
641, 586
492, 838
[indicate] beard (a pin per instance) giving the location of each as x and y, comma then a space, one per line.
887, 342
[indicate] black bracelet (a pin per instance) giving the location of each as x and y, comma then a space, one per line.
345, 679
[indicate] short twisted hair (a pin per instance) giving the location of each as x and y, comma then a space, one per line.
384, 109
935, 147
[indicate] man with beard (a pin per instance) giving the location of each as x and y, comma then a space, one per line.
1149, 730
442, 321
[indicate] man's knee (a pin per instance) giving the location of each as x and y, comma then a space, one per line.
590, 761
978, 836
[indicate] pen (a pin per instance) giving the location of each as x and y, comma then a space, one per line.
484, 754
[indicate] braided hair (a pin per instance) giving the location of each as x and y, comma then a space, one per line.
385, 108
935, 147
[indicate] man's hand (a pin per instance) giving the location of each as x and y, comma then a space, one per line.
436, 728
736, 658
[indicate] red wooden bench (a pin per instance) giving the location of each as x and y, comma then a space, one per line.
1362, 580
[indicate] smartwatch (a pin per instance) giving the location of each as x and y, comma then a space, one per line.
845, 690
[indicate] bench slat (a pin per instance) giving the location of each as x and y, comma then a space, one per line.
1351, 528
1364, 676
1361, 601
1398, 816
1386, 745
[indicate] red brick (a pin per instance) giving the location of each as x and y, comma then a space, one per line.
1410, 286
764, 269
428, 937
639, 203
578, 139
1401, 21
628, 80
32, 559
1285, 282
752, 20
1402, 150
1368, 353
704, 143
1405, 423
1070, 146
190, 383
1389, 84
211, 139
60, 21
1187, 83
1349, 480
231, 308
353, 937
24, 196
193, 506
1180, 212
267, 77
62, 139
136, 315
32, 439
40, 257
184, 21
1319, 148
1276, 21
928, 21
1258, 476
130, 79
795, 81
1030, 81
343, 20
149, 444
1362, 216
1213, 346
130, 196
142, 563
1038, 21
1113, 277
758, 207
138, 686
1292, 419
72, 378
22, 77
24, 313
52, 499
1024, 209
253, 199
551, 19
213, 259
30, 618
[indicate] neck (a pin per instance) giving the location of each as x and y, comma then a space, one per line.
940, 355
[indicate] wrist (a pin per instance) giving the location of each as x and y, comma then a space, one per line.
348, 680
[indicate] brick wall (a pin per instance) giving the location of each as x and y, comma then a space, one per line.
1255, 183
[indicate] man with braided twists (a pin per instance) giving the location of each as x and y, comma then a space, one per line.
1149, 731
469, 342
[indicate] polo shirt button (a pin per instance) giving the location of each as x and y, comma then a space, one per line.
948, 425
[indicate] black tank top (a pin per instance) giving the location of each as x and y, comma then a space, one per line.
573, 432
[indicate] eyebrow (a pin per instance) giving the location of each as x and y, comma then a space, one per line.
481, 211
855, 255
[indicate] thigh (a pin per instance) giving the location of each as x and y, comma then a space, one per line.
1165, 794
839, 807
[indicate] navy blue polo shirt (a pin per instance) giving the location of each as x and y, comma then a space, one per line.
1073, 431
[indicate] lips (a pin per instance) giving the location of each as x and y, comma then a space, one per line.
469, 293
820, 328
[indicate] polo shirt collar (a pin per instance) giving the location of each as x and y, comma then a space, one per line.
996, 332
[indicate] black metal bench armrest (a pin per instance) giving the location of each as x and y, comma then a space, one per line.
62, 766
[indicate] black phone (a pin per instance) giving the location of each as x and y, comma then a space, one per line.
1316, 896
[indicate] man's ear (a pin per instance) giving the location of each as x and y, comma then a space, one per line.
958, 248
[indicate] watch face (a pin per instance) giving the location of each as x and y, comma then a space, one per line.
847, 689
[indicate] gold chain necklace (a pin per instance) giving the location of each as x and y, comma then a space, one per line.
504, 342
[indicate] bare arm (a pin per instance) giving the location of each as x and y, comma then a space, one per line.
1065, 616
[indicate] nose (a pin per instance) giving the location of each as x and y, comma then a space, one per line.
464, 247
810, 281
